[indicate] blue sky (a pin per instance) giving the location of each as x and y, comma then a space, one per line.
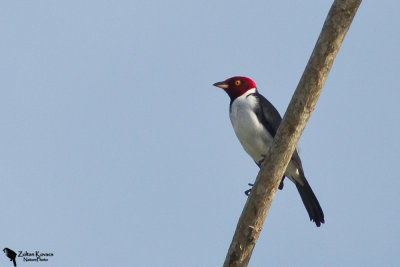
115, 148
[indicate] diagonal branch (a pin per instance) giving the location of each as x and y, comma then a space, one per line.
298, 113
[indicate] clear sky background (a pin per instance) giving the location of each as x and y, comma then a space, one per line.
116, 150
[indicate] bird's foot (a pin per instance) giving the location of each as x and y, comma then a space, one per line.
247, 192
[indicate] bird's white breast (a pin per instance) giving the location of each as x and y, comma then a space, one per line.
254, 138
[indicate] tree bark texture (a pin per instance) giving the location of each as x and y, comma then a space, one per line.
298, 113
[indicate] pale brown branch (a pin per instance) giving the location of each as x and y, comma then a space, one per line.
298, 113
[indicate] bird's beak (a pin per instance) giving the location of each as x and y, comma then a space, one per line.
222, 85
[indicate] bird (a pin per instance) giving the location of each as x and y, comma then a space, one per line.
11, 255
255, 122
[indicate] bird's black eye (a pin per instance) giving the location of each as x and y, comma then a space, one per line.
237, 82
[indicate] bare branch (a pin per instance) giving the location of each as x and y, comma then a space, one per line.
298, 113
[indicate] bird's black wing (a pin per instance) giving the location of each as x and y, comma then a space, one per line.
13, 254
271, 119
268, 115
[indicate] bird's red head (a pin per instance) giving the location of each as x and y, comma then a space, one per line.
236, 86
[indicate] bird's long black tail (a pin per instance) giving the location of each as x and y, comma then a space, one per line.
311, 203
15, 263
